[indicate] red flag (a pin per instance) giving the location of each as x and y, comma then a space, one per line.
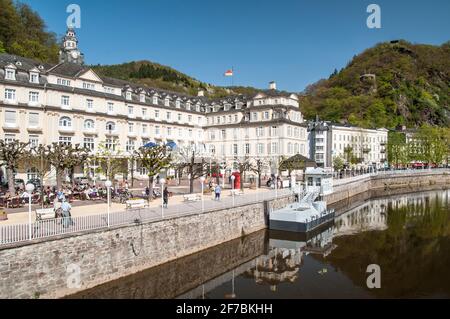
228, 73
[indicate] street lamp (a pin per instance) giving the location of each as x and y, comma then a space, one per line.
232, 187
162, 181
30, 188
276, 186
202, 181
108, 192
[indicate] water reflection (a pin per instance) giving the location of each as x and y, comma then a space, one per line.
407, 235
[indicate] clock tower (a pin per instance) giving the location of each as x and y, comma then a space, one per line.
69, 51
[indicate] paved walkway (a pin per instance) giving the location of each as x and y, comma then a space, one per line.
177, 205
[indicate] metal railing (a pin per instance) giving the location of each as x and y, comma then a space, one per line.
16, 233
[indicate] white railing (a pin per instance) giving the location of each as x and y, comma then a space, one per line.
16, 233
348, 179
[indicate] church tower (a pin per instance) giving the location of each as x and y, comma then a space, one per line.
69, 51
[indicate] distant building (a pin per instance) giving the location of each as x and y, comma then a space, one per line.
365, 146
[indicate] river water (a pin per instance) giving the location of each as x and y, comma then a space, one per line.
407, 236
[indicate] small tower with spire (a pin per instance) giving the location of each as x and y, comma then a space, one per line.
69, 51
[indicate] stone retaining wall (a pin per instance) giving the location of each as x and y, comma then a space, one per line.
48, 268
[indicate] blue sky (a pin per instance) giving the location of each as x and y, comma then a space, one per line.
292, 42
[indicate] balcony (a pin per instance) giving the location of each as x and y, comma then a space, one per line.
34, 129
90, 131
112, 133
11, 127
66, 129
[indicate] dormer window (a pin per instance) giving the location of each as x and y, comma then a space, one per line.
142, 98
10, 74
166, 102
88, 86
64, 82
128, 95
188, 106
177, 104
155, 100
34, 77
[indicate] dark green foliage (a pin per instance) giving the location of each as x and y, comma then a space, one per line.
22, 32
410, 87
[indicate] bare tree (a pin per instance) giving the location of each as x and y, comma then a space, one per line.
11, 153
66, 157
38, 159
193, 159
259, 166
154, 159
244, 165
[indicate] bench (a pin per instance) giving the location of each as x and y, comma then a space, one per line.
236, 192
136, 203
45, 213
192, 197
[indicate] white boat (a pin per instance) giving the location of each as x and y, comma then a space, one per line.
303, 216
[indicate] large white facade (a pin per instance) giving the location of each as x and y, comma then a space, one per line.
328, 140
69, 103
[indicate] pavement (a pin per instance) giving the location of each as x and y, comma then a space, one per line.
177, 205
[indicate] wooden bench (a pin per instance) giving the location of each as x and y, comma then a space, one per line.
236, 192
45, 213
136, 203
192, 197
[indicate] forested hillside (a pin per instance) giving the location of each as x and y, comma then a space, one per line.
387, 85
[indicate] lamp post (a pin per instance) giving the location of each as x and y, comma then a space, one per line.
232, 187
162, 182
276, 186
29, 188
202, 181
108, 184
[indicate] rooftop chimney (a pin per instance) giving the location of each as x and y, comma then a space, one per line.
201, 93
273, 85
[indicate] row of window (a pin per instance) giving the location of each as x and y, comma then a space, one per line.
33, 97
272, 148
358, 138
260, 132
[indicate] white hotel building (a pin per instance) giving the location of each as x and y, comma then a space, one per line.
329, 140
69, 103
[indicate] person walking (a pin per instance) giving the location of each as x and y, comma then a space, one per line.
67, 219
165, 197
217, 191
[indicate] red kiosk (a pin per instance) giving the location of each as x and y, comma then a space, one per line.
237, 180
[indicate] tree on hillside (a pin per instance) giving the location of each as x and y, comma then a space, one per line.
23, 33
153, 159
11, 153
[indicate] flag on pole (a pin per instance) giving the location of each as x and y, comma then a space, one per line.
229, 73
